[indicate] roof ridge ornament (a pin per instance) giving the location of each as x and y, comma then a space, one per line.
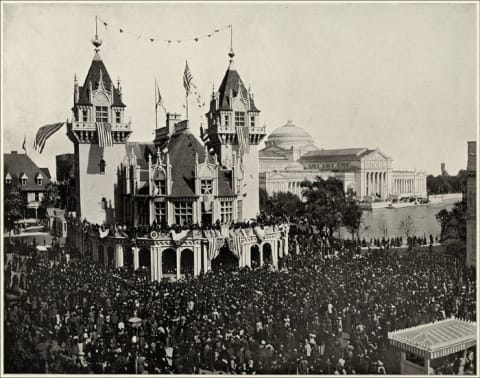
97, 42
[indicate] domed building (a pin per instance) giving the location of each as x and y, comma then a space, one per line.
290, 157
285, 145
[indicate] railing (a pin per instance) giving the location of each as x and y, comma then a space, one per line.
87, 126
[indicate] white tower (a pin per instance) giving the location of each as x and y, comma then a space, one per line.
97, 103
234, 132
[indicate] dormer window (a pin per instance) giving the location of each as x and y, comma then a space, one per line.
84, 116
8, 179
39, 179
118, 117
23, 179
227, 120
159, 182
102, 165
101, 113
252, 121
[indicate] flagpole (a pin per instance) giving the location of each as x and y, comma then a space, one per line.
186, 103
156, 106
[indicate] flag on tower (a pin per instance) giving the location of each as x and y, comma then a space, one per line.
24, 145
44, 133
159, 103
104, 131
187, 79
243, 139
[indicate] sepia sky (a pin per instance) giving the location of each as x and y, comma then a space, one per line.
400, 77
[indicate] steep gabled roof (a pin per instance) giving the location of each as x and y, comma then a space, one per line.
141, 151
230, 84
182, 147
18, 164
93, 75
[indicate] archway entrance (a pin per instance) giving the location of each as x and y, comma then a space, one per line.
254, 256
267, 254
128, 257
225, 260
144, 258
111, 256
101, 255
169, 261
187, 262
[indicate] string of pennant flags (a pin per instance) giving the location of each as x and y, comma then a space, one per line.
153, 39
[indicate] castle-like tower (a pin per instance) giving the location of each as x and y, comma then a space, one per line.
97, 108
234, 132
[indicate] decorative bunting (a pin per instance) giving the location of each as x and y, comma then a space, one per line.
152, 39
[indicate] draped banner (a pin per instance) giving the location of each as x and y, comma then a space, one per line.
259, 232
103, 233
104, 131
234, 242
215, 242
179, 238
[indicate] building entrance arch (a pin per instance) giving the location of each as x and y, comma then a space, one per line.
187, 262
110, 256
255, 256
169, 261
267, 253
144, 259
225, 260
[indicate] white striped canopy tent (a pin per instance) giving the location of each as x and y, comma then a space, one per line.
437, 339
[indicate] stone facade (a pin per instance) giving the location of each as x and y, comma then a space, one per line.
129, 194
291, 157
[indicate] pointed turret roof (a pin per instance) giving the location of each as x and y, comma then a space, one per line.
230, 86
93, 76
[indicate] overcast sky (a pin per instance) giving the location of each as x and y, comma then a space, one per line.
400, 77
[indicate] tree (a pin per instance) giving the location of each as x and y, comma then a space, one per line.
282, 204
454, 222
51, 198
407, 227
324, 203
14, 205
352, 214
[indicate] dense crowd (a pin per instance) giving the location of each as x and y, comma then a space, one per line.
313, 316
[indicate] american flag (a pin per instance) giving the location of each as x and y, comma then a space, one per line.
104, 131
243, 140
187, 79
44, 133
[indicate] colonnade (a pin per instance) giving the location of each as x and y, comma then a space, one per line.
414, 185
285, 186
376, 183
157, 258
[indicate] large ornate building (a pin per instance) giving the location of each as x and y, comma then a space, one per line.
291, 157
146, 187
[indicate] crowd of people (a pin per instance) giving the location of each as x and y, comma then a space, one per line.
400, 241
312, 316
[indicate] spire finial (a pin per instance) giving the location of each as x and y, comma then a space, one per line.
231, 54
97, 42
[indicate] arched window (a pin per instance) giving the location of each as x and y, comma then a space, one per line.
8, 179
102, 165
104, 203
159, 181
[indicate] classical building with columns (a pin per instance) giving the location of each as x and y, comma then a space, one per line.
173, 206
290, 157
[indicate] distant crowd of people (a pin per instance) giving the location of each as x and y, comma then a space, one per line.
315, 315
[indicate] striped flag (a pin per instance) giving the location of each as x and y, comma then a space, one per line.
187, 79
242, 96
44, 133
159, 102
104, 131
243, 140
